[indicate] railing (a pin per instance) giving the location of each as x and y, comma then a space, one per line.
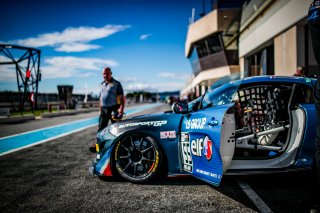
220, 59
248, 9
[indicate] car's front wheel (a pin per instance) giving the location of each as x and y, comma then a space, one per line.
137, 158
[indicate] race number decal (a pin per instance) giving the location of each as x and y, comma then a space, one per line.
186, 152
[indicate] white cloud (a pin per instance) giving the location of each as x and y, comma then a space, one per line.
70, 39
8, 73
176, 76
65, 67
145, 36
135, 84
5, 59
159, 87
76, 47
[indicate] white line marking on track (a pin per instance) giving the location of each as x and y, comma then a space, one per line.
52, 138
49, 127
257, 201
46, 140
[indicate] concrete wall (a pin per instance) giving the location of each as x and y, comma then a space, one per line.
202, 28
285, 52
282, 15
215, 21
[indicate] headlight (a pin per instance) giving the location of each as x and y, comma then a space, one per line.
113, 130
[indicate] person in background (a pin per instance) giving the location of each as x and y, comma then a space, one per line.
300, 72
314, 26
111, 101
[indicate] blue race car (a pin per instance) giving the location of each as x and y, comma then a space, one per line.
254, 125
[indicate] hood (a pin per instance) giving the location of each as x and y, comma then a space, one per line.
151, 122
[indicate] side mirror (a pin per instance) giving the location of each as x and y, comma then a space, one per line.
180, 107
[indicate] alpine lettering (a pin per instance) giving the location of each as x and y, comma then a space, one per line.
313, 16
314, 12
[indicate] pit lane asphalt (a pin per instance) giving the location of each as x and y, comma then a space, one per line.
53, 177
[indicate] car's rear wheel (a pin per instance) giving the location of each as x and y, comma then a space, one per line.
137, 158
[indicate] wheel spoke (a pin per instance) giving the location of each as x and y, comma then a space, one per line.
134, 169
146, 159
140, 145
129, 163
132, 145
123, 157
144, 168
147, 149
125, 148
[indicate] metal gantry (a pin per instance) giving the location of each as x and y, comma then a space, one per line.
26, 62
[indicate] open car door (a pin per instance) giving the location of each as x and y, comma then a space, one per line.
206, 141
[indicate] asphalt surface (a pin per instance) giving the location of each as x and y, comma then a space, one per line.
53, 177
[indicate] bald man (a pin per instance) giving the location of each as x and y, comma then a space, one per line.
111, 100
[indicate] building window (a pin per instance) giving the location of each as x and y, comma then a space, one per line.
209, 46
261, 62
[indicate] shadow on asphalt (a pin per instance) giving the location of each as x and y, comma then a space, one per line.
228, 187
186, 180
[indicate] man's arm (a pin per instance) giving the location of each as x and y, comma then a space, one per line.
122, 103
120, 98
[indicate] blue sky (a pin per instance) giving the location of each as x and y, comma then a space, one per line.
141, 40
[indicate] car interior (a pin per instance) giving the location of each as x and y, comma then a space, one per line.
267, 119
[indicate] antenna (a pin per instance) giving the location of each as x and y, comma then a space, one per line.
203, 9
192, 15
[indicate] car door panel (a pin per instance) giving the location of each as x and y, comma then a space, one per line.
207, 142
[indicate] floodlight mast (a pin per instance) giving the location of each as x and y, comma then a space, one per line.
27, 66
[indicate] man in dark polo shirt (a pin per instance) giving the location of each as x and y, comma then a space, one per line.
314, 25
111, 101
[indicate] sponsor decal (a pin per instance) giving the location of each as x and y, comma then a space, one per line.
197, 147
196, 123
207, 148
116, 152
202, 147
156, 163
168, 134
186, 156
186, 152
185, 137
146, 123
208, 174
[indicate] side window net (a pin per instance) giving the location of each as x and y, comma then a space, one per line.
259, 107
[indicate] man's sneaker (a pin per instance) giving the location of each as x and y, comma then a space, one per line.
92, 148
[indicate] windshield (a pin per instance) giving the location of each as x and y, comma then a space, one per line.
194, 105
222, 95
222, 92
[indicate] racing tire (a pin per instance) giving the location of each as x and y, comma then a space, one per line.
137, 158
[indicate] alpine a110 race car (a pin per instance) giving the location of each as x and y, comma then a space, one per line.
253, 125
